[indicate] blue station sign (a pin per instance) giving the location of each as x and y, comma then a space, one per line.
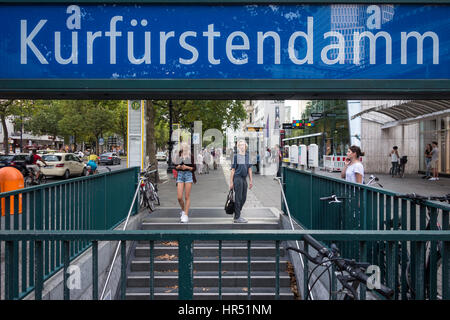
149, 41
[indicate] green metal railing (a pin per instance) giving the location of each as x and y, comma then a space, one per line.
97, 202
369, 208
186, 240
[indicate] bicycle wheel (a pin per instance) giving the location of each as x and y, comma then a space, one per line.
28, 181
141, 198
42, 179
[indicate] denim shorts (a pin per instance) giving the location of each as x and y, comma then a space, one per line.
185, 176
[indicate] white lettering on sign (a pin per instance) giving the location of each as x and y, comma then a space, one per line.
299, 47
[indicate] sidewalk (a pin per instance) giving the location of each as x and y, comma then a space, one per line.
408, 184
211, 190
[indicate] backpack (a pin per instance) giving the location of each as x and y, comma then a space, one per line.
229, 204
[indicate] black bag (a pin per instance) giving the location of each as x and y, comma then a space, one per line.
229, 204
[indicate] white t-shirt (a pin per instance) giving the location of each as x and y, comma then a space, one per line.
350, 174
394, 157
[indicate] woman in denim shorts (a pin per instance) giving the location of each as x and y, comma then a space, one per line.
185, 177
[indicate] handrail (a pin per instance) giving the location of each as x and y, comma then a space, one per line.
225, 235
118, 245
436, 205
292, 227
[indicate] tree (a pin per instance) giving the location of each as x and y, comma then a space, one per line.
73, 123
5, 111
99, 118
120, 124
45, 118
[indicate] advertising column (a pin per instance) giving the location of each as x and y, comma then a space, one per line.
136, 127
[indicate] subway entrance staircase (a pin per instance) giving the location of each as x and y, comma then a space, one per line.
206, 258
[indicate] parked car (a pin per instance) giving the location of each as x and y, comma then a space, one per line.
63, 165
109, 158
14, 160
161, 156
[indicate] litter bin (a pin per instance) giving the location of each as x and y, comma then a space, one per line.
11, 179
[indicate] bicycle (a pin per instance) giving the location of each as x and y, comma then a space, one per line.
372, 180
30, 178
419, 199
148, 192
352, 273
399, 169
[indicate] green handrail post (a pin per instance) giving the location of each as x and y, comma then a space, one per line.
123, 269
432, 285
305, 273
66, 254
152, 270
445, 258
363, 256
249, 265
404, 251
220, 269
185, 266
94, 270
39, 271
277, 270
420, 271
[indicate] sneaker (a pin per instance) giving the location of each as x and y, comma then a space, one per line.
184, 218
432, 179
240, 220
181, 213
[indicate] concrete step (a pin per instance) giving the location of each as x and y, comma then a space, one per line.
204, 251
210, 293
209, 279
212, 225
211, 264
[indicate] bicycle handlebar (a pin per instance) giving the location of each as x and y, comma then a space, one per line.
333, 197
344, 265
415, 196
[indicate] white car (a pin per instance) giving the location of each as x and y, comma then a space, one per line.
63, 165
161, 156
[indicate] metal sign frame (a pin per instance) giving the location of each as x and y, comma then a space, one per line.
220, 88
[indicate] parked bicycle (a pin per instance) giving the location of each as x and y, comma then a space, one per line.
350, 273
399, 170
419, 199
373, 180
148, 192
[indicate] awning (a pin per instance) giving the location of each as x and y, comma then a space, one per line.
405, 111
305, 136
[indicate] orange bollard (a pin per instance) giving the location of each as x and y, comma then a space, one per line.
11, 179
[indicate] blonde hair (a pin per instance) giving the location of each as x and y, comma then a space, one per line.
245, 143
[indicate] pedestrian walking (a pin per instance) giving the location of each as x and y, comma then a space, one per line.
435, 161
240, 169
353, 169
394, 160
185, 166
200, 162
206, 160
427, 153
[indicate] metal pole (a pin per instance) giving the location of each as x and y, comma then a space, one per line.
292, 227
169, 161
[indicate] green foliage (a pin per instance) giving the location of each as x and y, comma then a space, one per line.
217, 114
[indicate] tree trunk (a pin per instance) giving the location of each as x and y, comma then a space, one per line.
5, 135
150, 114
